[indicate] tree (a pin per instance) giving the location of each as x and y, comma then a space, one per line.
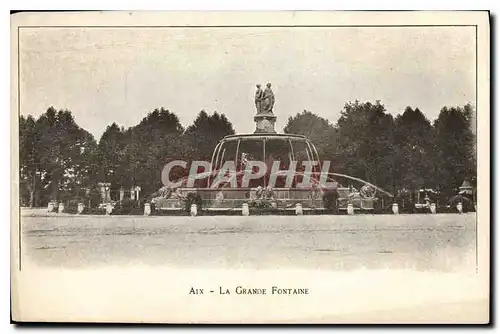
204, 134
82, 174
317, 129
156, 140
111, 154
413, 137
27, 158
136, 156
47, 152
366, 142
455, 148
54, 153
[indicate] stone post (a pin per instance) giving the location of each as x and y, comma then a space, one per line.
132, 193
80, 208
194, 210
109, 209
298, 209
61, 207
350, 209
244, 209
395, 208
147, 209
122, 194
137, 190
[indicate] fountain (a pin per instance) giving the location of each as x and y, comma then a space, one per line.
268, 171
276, 153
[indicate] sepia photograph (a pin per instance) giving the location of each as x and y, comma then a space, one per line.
272, 167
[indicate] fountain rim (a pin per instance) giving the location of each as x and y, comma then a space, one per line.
263, 135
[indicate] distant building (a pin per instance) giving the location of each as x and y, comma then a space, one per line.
466, 188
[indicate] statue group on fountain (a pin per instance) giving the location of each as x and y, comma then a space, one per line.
264, 100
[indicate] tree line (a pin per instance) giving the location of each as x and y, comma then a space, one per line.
406, 152
61, 161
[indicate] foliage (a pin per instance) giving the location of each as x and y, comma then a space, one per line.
205, 132
454, 148
402, 153
136, 156
60, 161
317, 129
330, 199
129, 207
191, 199
54, 157
27, 159
72, 205
261, 203
366, 143
413, 139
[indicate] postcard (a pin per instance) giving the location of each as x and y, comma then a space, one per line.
286, 167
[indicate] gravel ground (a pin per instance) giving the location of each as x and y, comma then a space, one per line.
442, 242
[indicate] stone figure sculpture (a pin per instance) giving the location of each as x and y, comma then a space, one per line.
267, 100
264, 100
265, 119
258, 99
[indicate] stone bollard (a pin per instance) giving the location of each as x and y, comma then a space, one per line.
350, 209
244, 210
194, 210
50, 207
80, 208
109, 209
60, 209
433, 208
460, 207
395, 208
147, 209
298, 209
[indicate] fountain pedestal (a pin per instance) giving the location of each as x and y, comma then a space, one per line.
264, 123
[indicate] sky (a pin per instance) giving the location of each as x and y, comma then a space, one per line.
106, 75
